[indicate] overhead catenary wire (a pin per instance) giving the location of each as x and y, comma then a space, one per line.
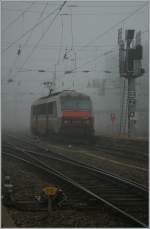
30, 29
20, 10
14, 42
11, 69
88, 45
94, 59
74, 14
70, 6
101, 14
17, 18
51, 45
61, 40
71, 30
40, 16
28, 38
105, 32
42, 36
100, 6
79, 66
114, 26
50, 3
51, 71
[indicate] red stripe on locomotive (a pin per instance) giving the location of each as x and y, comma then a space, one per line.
77, 114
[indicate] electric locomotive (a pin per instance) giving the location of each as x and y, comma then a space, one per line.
67, 112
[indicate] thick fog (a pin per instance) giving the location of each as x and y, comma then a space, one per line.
42, 42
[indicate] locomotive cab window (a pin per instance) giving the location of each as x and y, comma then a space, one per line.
76, 104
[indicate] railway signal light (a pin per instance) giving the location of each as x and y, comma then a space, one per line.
129, 35
130, 59
138, 52
130, 67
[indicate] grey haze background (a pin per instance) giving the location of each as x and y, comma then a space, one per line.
81, 25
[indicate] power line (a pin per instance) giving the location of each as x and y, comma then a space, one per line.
116, 24
98, 14
42, 36
84, 14
17, 18
94, 59
96, 6
28, 38
37, 70
58, 45
29, 30
61, 41
71, 31
41, 14
88, 42
39, 3
43, 11
20, 10
78, 67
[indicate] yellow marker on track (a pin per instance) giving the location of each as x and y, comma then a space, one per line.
50, 191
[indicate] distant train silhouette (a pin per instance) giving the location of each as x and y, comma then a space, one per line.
67, 112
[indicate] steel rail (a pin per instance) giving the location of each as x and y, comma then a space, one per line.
80, 164
109, 148
84, 165
119, 149
60, 175
142, 187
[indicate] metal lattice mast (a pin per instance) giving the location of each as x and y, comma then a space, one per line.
130, 56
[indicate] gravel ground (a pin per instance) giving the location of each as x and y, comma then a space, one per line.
27, 183
131, 169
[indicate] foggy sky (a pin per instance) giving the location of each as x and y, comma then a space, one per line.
75, 27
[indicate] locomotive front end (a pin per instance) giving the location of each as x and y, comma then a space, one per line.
77, 118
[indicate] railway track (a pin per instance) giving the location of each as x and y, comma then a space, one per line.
129, 199
122, 151
30, 143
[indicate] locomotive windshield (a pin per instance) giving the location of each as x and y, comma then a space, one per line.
76, 104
